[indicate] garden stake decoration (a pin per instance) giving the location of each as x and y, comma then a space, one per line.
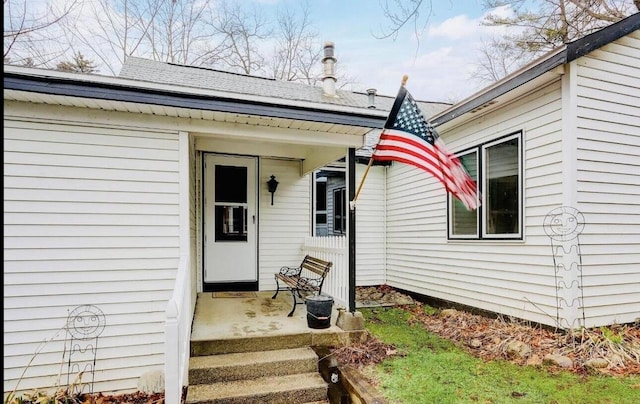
84, 326
564, 225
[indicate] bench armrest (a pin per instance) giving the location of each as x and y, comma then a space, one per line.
290, 271
313, 282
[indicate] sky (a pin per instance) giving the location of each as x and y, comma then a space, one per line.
439, 66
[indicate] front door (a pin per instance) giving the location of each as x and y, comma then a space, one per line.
230, 229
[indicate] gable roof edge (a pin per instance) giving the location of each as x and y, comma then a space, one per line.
598, 39
560, 56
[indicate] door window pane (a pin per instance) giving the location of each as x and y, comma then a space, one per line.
231, 223
231, 184
230, 203
321, 195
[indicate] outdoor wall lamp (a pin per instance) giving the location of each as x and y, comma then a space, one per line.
273, 185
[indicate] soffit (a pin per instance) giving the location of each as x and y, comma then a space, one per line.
188, 113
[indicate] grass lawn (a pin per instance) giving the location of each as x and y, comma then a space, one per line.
431, 369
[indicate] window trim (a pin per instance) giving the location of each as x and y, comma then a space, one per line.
481, 217
328, 213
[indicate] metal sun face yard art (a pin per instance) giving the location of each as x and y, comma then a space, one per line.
564, 225
84, 326
85, 322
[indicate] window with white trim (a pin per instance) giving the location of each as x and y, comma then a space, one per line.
497, 169
328, 215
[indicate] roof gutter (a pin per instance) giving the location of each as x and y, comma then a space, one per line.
564, 54
68, 86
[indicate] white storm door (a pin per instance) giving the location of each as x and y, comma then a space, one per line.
230, 239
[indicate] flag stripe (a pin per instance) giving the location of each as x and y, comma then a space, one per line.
414, 148
434, 155
406, 148
409, 155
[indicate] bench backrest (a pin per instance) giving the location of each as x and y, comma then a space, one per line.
316, 265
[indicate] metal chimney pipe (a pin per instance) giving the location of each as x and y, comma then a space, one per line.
371, 92
329, 70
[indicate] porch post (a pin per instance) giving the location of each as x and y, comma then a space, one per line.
351, 170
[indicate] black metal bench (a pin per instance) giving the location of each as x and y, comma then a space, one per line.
307, 277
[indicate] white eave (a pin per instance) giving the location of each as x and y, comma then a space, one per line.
118, 94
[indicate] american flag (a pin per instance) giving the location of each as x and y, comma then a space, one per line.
408, 138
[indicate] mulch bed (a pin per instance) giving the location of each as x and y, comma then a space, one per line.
131, 398
99, 398
491, 339
366, 353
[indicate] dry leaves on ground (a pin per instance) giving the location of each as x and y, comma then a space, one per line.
369, 352
131, 398
490, 338
493, 338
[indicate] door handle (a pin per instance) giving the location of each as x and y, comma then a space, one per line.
254, 219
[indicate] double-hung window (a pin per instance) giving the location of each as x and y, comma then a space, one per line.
497, 169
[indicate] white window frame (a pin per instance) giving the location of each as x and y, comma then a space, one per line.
481, 217
314, 190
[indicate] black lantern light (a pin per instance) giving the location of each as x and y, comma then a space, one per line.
273, 185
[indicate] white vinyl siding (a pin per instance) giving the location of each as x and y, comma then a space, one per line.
90, 218
284, 225
371, 227
511, 277
608, 180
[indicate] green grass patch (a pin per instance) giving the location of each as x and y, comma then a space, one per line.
434, 370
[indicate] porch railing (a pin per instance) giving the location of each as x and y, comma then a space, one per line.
334, 249
179, 315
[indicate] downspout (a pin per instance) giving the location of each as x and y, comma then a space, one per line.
351, 162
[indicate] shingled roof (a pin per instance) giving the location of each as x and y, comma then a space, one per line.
239, 85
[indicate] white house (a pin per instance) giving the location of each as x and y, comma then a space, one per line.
129, 194
111, 199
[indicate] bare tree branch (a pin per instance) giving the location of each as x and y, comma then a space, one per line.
399, 13
27, 27
243, 30
297, 52
541, 26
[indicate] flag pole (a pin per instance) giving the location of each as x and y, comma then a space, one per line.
366, 171
352, 204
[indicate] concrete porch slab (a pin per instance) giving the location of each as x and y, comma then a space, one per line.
257, 316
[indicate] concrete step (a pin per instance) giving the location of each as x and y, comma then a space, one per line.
325, 337
250, 344
251, 365
297, 388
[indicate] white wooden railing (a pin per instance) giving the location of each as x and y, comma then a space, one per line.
333, 249
179, 315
